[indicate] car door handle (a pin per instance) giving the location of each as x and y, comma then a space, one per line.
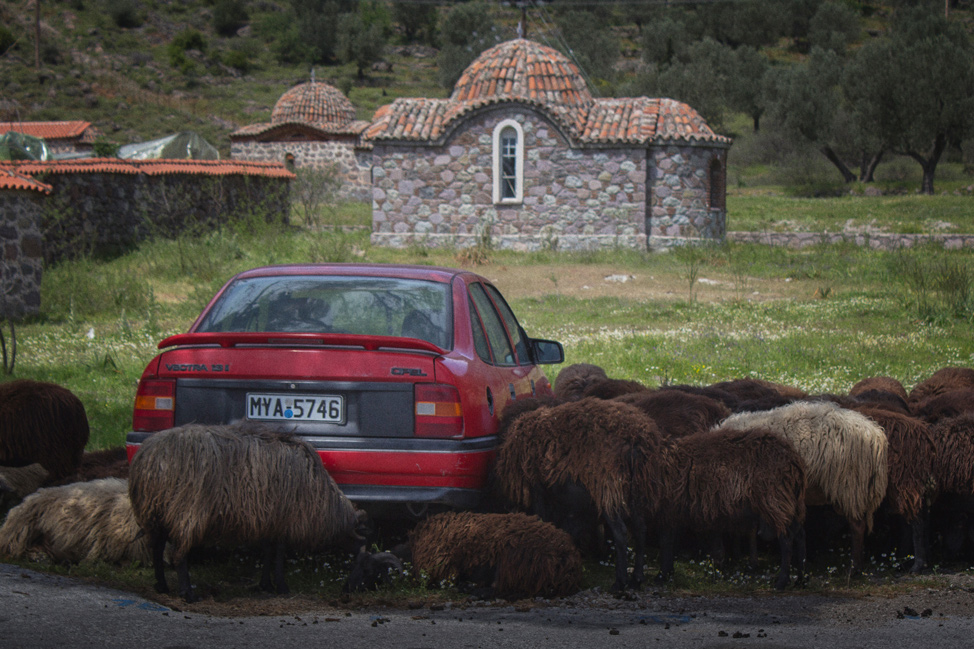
490, 401
513, 393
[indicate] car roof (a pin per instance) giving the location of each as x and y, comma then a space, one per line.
405, 271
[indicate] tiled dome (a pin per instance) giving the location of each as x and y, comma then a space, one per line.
524, 70
313, 103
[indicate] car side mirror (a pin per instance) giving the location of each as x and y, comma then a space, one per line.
547, 352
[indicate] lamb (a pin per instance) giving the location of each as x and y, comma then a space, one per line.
678, 413
727, 480
501, 555
83, 521
235, 484
43, 423
845, 455
943, 380
910, 484
573, 380
590, 458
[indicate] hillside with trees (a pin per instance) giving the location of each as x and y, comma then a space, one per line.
827, 92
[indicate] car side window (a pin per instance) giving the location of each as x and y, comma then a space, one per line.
500, 346
479, 337
513, 328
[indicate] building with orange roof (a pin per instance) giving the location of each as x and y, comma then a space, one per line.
21, 246
522, 151
62, 138
312, 126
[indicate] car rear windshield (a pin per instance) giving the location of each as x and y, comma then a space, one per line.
375, 306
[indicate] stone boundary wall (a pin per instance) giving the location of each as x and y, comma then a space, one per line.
872, 240
354, 166
109, 213
21, 253
680, 192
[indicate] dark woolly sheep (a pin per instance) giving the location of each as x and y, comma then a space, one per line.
943, 380
520, 406
910, 484
729, 480
845, 456
95, 465
43, 423
748, 389
881, 383
199, 485
678, 413
17, 482
882, 399
592, 454
767, 402
612, 388
499, 555
954, 476
946, 405
83, 521
723, 396
573, 380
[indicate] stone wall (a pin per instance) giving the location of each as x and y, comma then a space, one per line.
875, 241
352, 164
574, 198
21, 253
108, 213
680, 195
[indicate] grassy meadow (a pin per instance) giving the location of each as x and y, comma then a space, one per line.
819, 318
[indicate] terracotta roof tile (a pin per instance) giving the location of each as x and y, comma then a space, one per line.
315, 103
84, 132
12, 179
149, 167
349, 128
521, 71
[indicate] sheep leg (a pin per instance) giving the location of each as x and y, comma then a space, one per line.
786, 543
639, 549
182, 572
858, 526
921, 546
158, 545
620, 538
273, 562
279, 553
667, 543
800, 553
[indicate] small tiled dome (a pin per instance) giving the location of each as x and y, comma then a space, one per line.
523, 70
313, 103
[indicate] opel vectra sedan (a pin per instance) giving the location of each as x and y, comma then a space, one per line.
395, 374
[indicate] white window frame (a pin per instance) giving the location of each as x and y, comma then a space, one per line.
519, 163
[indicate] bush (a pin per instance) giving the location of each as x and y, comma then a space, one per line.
229, 16
124, 13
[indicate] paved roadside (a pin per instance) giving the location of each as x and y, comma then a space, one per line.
41, 611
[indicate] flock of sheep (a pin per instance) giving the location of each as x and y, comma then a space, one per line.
602, 462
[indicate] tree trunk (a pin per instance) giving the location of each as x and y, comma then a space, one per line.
847, 175
867, 169
929, 164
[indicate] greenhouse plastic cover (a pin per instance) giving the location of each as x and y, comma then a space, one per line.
19, 146
180, 146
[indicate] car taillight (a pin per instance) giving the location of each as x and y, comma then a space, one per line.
438, 411
155, 405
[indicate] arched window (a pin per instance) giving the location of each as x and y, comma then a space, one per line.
289, 161
718, 185
508, 162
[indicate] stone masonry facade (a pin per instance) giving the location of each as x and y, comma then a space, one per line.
22, 258
574, 198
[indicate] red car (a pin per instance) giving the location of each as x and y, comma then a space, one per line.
396, 374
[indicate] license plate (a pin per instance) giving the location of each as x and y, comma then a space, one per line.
296, 407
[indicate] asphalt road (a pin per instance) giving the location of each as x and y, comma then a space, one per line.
39, 611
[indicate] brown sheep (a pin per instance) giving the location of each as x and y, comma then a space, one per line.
911, 485
17, 482
945, 405
43, 423
612, 388
573, 380
678, 413
954, 475
83, 521
591, 457
236, 484
882, 383
505, 555
729, 480
747, 389
723, 396
943, 380
845, 456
